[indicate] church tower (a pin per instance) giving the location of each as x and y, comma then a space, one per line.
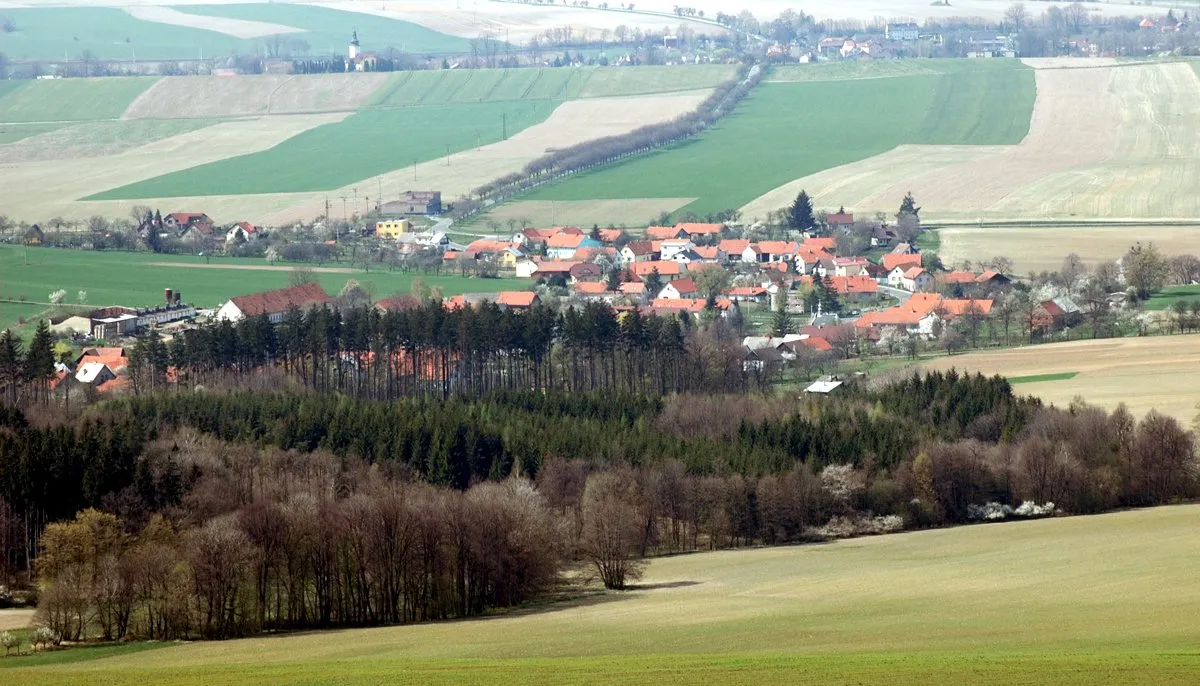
352, 51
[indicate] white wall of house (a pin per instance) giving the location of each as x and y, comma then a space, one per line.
230, 312
895, 278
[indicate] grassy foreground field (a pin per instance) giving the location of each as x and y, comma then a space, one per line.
69, 99
790, 128
1107, 599
119, 278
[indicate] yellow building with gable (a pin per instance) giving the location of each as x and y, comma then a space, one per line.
392, 228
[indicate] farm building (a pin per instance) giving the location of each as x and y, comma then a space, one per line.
391, 228
413, 203
34, 236
274, 303
242, 231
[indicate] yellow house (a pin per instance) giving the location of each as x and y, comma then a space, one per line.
392, 228
509, 257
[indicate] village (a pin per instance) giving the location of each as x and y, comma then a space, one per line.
845, 289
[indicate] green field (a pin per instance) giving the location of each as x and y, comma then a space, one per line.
327, 31
1106, 599
1168, 296
11, 133
136, 279
783, 131
1037, 378
111, 33
491, 85
363, 145
61, 100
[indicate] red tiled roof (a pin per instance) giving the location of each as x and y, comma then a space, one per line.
923, 302
586, 269
644, 269
516, 298
662, 232
960, 307
839, 219
555, 267
564, 240
611, 235
843, 285
640, 247
1052, 308
633, 288
734, 246
913, 272
960, 277
778, 247
697, 229
745, 291
893, 260
247, 227
820, 243
592, 288
706, 252
188, 217
484, 245
305, 297
684, 286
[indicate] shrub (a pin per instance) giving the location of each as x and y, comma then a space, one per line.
10, 642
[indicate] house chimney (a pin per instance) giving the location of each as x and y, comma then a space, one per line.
167, 291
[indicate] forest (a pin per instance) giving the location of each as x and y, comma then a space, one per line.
217, 512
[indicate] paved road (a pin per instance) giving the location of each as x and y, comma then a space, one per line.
897, 293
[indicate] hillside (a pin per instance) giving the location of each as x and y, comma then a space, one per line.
1106, 599
800, 122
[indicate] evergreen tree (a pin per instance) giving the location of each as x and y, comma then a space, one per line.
909, 205
800, 214
39, 361
654, 283
781, 323
10, 367
613, 281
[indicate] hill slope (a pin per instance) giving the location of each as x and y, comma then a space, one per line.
1107, 599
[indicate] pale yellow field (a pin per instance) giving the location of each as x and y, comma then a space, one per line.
1105, 142
220, 96
37, 190
1043, 248
15, 619
1158, 372
621, 213
238, 28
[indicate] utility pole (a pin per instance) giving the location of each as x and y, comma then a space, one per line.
414, 170
504, 126
447, 154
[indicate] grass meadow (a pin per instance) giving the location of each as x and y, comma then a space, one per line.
1167, 297
111, 33
790, 128
68, 100
1106, 599
135, 279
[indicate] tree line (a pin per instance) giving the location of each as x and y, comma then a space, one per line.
436, 352
602, 150
206, 525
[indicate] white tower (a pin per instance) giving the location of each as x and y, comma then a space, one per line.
352, 51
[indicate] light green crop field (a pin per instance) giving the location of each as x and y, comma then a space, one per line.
59, 100
1167, 297
111, 33
1038, 378
783, 131
363, 145
1108, 599
108, 32
138, 279
488, 85
328, 30
11, 133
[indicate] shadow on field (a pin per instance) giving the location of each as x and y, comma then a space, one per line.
662, 585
